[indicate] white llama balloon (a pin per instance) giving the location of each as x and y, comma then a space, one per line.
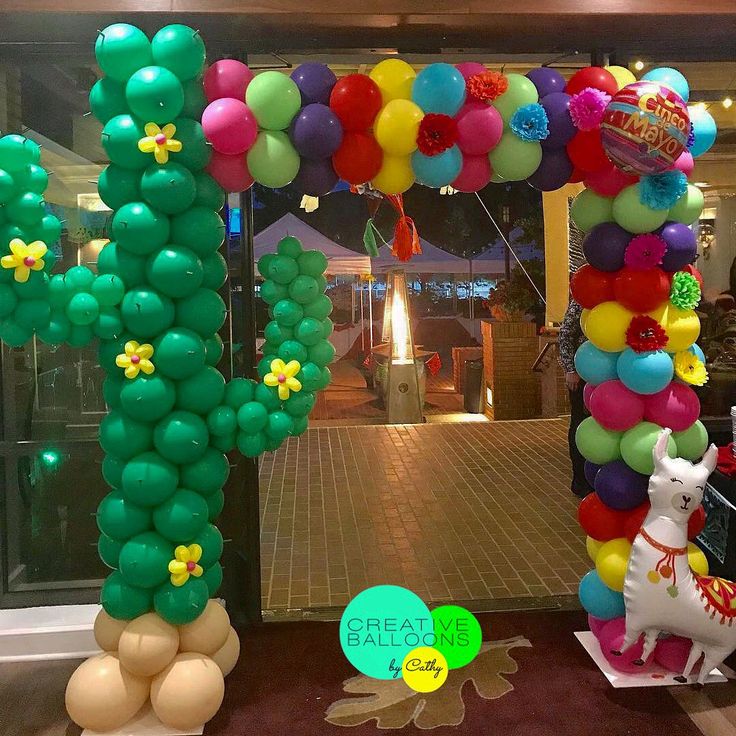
661, 592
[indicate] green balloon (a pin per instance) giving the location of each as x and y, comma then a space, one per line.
119, 518
107, 353
129, 267
272, 160
144, 560
214, 270
273, 443
223, 442
206, 475
16, 152
264, 364
107, 99
199, 229
321, 282
111, 388
179, 353
123, 436
8, 300
123, 601
282, 269
194, 102
31, 178
9, 232
271, 292
214, 349
140, 229
520, 92
252, 417
637, 445
514, 158
175, 271
37, 287
112, 467
321, 354
179, 49
181, 437
80, 336
301, 424
222, 421
210, 540
276, 333
274, 99
82, 309
687, 209
279, 425
13, 334
268, 396
26, 209
7, 187
287, 312
182, 516
239, 391
251, 445
290, 246
209, 193
590, 209
320, 308
195, 153
458, 635
120, 138
201, 392
109, 550
181, 605
148, 479
630, 214
213, 576
148, 398
328, 327
304, 289
121, 49
49, 231
154, 94
204, 312
270, 350
596, 444
118, 186
264, 263
33, 313
692, 442
108, 290
109, 324
147, 313
79, 278
310, 376
292, 350
299, 404
170, 188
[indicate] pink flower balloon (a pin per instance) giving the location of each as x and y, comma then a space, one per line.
611, 638
227, 78
609, 181
479, 128
685, 163
229, 126
230, 171
676, 406
474, 175
672, 653
616, 407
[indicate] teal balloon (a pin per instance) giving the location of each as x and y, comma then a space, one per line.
181, 605
112, 467
207, 474
287, 312
321, 354
320, 308
169, 188
209, 193
111, 388
272, 160
201, 392
175, 271
213, 576
692, 442
195, 153
439, 88
108, 290
645, 373
598, 599
16, 152
276, 333
181, 437
13, 334
252, 417
222, 421
199, 229
437, 171
120, 518
118, 186
154, 94
82, 309
301, 424
637, 444
282, 269
704, 130
239, 391
211, 542
80, 336
204, 312
671, 78
268, 396
146, 313
630, 214
310, 376
214, 349
122, 600
149, 479
181, 516
179, 49
214, 271
194, 101
299, 404
144, 560
140, 229
251, 445
26, 209
129, 267
279, 425
33, 313
123, 436
148, 398
271, 292
109, 323
290, 246
109, 550
120, 138
121, 49
304, 289
274, 99
8, 300
107, 99
31, 178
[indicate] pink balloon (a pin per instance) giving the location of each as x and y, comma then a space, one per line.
227, 78
587, 393
474, 175
676, 406
469, 68
608, 181
685, 163
672, 653
479, 128
616, 407
596, 625
230, 171
612, 638
229, 126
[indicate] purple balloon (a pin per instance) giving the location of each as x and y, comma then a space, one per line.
316, 132
561, 128
546, 80
604, 246
315, 82
591, 471
682, 248
554, 171
316, 178
620, 487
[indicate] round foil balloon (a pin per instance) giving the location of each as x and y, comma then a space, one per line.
645, 128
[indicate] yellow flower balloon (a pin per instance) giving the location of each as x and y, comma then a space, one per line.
397, 126
282, 375
185, 564
394, 78
24, 258
395, 175
136, 358
690, 369
159, 141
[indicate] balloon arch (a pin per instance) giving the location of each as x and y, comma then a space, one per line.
177, 136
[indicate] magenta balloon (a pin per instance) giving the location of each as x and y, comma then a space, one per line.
677, 406
587, 393
685, 163
616, 407
672, 653
474, 175
470, 68
479, 128
229, 126
596, 624
227, 78
611, 637
230, 171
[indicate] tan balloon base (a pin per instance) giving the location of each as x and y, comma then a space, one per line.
154, 679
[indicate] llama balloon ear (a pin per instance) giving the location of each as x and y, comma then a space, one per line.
659, 451
710, 459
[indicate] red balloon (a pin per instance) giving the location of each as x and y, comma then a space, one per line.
592, 76
358, 159
696, 523
641, 291
598, 520
609, 181
586, 151
577, 176
634, 519
590, 287
694, 272
356, 100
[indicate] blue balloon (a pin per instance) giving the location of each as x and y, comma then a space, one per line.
704, 130
595, 366
598, 599
696, 350
670, 78
437, 171
439, 88
645, 373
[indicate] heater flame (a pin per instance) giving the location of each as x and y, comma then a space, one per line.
400, 328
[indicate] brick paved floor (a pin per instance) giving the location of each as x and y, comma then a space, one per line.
452, 511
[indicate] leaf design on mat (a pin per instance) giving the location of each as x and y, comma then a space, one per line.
392, 704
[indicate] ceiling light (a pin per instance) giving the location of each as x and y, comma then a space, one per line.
727, 102
638, 65
701, 184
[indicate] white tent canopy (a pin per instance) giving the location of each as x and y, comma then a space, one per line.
340, 260
431, 260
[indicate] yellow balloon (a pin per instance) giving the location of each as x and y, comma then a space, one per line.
397, 126
621, 74
681, 325
593, 546
395, 176
611, 562
394, 78
606, 326
584, 319
696, 559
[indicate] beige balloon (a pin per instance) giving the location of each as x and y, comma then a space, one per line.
102, 695
107, 631
226, 657
147, 645
188, 692
207, 633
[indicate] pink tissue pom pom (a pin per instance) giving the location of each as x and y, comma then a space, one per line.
587, 108
644, 251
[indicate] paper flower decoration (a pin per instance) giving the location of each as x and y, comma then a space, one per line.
437, 133
645, 251
24, 258
136, 358
185, 564
690, 369
690, 138
661, 191
159, 141
486, 86
282, 375
685, 292
645, 334
587, 108
530, 123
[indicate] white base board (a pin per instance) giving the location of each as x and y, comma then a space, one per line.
654, 676
145, 723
